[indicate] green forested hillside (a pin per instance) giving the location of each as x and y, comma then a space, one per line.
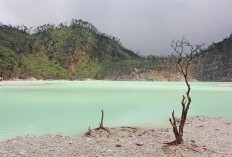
79, 51
74, 51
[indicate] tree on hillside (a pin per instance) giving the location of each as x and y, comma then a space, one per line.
8, 63
185, 52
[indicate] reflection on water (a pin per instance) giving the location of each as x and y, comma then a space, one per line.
70, 107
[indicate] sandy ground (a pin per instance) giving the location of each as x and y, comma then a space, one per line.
204, 137
226, 85
21, 83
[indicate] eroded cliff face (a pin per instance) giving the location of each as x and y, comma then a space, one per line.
209, 66
153, 74
147, 75
218, 69
215, 64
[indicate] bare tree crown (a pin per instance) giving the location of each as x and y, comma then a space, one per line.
183, 48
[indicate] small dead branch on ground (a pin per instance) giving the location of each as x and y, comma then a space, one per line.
101, 126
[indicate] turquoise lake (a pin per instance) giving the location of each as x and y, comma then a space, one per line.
70, 107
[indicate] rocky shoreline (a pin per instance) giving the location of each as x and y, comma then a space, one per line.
204, 136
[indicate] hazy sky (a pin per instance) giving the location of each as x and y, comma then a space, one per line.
144, 25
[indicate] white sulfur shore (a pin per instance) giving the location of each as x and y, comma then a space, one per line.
21, 83
204, 137
226, 85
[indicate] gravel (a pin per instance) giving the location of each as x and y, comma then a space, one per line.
203, 136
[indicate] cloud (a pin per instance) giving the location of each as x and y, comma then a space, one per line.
147, 26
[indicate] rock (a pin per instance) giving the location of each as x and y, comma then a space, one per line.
31, 79
22, 152
139, 144
118, 145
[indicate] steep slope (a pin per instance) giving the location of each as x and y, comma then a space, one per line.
75, 51
15, 38
211, 64
215, 63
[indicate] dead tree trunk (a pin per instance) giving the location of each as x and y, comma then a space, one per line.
101, 123
101, 127
180, 47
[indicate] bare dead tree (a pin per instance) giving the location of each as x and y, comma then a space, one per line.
101, 123
183, 47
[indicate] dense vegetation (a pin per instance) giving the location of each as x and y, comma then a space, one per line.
79, 50
72, 51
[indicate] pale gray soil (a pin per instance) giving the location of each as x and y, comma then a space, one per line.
21, 83
204, 136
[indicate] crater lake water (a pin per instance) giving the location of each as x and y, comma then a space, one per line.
70, 107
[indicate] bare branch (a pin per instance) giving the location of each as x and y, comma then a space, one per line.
170, 120
174, 119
